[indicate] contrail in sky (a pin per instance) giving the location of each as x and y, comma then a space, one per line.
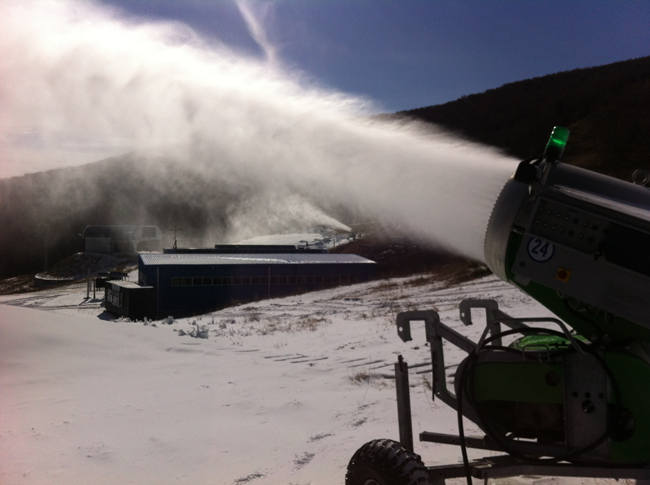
252, 18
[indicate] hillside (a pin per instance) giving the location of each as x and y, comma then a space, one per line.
42, 214
605, 107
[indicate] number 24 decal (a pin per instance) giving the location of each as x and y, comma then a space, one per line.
540, 250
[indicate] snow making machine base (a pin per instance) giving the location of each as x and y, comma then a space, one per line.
388, 462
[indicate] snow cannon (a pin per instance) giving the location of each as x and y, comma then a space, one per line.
578, 242
561, 395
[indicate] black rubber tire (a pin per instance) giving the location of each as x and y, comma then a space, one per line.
385, 462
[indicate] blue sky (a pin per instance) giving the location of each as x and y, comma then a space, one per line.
412, 53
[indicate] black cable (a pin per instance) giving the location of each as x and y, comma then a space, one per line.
566, 456
461, 427
599, 331
465, 371
462, 377
506, 445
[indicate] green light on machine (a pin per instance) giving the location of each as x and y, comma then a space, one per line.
556, 143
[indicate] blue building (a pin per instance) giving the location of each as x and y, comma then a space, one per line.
190, 283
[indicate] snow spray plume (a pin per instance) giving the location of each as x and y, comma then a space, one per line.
79, 78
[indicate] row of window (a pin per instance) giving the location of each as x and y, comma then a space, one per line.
315, 280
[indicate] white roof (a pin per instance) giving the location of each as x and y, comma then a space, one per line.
241, 259
126, 284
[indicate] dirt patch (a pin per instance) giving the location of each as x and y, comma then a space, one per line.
452, 273
73, 268
303, 459
17, 284
365, 378
80, 265
248, 478
397, 258
320, 436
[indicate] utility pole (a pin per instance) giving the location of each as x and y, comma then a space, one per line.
45, 248
45, 254
175, 245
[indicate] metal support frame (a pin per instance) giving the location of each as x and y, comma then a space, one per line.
435, 332
506, 466
488, 467
403, 403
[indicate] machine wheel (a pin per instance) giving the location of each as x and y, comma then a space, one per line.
385, 462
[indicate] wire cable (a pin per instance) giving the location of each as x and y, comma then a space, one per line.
466, 372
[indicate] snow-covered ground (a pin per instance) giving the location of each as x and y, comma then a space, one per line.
281, 392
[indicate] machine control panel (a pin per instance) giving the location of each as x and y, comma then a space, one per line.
569, 226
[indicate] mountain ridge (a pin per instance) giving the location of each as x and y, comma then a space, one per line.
605, 107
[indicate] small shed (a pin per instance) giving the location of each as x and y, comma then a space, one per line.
128, 299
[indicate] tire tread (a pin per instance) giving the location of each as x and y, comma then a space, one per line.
389, 460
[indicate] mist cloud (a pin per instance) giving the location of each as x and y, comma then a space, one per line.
79, 79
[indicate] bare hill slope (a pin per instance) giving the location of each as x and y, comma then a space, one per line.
605, 107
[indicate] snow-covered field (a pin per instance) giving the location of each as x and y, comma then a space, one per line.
280, 392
